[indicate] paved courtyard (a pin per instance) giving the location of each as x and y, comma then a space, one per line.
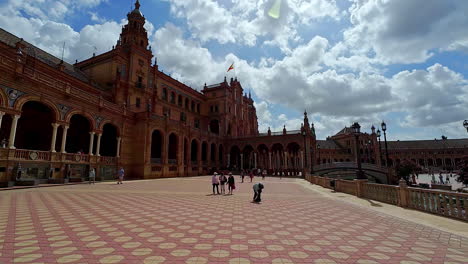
178, 221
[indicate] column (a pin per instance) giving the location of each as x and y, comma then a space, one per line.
302, 159
119, 139
91, 143
64, 139
241, 161
54, 136
14, 124
285, 160
1, 117
255, 159
98, 145
269, 160
228, 160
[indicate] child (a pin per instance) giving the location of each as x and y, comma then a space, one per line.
231, 183
120, 175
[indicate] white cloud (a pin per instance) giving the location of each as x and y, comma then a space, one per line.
406, 31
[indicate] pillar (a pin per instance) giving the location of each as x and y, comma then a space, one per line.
64, 139
241, 161
98, 145
119, 139
302, 159
54, 136
14, 124
285, 160
255, 159
228, 160
91, 143
269, 160
1, 117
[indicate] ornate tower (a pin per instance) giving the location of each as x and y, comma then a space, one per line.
134, 34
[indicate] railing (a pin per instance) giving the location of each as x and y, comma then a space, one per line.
349, 165
108, 160
156, 160
76, 157
348, 187
445, 203
439, 202
24, 154
381, 192
172, 161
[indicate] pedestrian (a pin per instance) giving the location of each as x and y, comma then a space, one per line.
264, 173
231, 183
413, 178
433, 180
441, 178
447, 179
257, 188
121, 175
92, 176
222, 181
242, 175
251, 175
215, 183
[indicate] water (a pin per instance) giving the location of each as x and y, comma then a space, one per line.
426, 178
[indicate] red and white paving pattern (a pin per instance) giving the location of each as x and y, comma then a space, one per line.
177, 221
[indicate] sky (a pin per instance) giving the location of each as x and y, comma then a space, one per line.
343, 61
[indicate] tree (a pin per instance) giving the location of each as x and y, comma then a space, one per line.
463, 170
405, 168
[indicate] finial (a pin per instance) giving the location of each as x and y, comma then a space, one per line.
305, 112
225, 79
137, 4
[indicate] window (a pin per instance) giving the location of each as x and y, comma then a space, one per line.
198, 108
166, 112
173, 97
183, 117
193, 106
164, 95
179, 100
216, 109
196, 123
186, 103
138, 102
140, 82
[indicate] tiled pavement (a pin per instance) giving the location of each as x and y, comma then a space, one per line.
177, 221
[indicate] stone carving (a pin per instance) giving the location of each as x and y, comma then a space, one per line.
99, 120
13, 95
63, 110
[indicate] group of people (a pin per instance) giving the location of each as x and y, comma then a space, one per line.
441, 178
251, 173
222, 180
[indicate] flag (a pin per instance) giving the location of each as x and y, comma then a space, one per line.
231, 67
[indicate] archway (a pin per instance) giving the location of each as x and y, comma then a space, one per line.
263, 157
293, 161
78, 135
234, 161
220, 154
249, 157
214, 126
277, 157
156, 146
213, 153
172, 149
194, 152
204, 154
109, 141
34, 129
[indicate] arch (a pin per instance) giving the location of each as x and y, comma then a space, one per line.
277, 158
204, 152
213, 152
172, 148
263, 156
220, 154
248, 157
186, 152
194, 151
3, 98
78, 134
33, 98
105, 122
108, 147
90, 118
156, 146
34, 129
234, 161
214, 126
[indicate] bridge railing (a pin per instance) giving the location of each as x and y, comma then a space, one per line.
444, 203
364, 166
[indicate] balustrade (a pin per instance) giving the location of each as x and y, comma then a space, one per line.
24, 154
381, 192
348, 187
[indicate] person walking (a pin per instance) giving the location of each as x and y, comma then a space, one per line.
222, 182
231, 183
92, 176
264, 173
441, 178
447, 179
251, 175
121, 175
215, 183
257, 188
242, 175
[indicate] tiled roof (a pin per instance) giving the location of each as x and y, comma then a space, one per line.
345, 130
427, 144
11, 40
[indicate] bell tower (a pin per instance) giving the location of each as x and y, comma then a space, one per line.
134, 34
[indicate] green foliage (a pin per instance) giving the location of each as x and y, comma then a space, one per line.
463, 170
405, 168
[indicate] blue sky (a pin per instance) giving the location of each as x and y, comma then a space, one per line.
342, 60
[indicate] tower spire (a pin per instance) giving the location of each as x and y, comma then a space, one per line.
137, 5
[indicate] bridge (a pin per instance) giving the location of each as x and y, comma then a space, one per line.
346, 170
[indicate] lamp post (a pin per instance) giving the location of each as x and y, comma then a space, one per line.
356, 128
318, 150
305, 153
465, 124
380, 146
384, 129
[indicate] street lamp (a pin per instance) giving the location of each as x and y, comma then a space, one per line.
380, 146
465, 124
305, 153
384, 129
318, 150
356, 129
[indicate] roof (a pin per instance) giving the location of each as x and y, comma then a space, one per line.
11, 40
344, 131
427, 144
328, 144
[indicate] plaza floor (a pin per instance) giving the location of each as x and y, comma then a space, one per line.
179, 221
